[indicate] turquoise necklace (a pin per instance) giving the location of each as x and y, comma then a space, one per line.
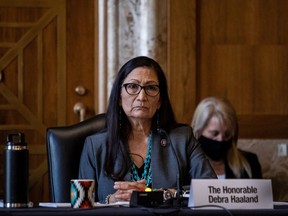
147, 165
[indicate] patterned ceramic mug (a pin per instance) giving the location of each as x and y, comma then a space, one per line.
82, 193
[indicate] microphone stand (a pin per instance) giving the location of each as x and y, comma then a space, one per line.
178, 201
179, 191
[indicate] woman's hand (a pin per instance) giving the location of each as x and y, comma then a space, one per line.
125, 189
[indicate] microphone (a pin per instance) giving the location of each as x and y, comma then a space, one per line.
164, 137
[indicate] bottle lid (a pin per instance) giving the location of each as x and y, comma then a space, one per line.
16, 139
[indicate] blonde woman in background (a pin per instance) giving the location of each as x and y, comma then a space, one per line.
215, 125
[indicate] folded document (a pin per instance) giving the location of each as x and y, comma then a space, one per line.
96, 205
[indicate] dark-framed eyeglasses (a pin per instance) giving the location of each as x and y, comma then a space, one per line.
134, 89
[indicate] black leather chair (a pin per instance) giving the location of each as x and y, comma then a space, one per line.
64, 147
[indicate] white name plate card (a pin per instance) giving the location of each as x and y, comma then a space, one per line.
231, 193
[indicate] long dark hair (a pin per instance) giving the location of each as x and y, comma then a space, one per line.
117, 143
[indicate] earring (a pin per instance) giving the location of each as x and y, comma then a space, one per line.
157, 121
120, 117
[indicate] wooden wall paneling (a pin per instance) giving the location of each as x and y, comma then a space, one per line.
182, 58
226, 74
80, 56
29, 88
97, 53
266, 127
242, 57
49, 65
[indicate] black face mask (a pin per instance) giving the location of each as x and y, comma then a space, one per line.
216, 150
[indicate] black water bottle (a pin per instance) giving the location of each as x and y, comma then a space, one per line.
16, 171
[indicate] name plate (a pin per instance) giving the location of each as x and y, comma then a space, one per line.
231, 193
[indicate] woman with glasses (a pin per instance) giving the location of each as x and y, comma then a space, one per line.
215, 125
142, 145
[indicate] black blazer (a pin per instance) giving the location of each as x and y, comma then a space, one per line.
254, 164
192, 160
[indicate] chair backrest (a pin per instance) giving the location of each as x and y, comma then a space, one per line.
64, 147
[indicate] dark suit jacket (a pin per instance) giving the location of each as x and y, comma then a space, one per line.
254, 164
165, 168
